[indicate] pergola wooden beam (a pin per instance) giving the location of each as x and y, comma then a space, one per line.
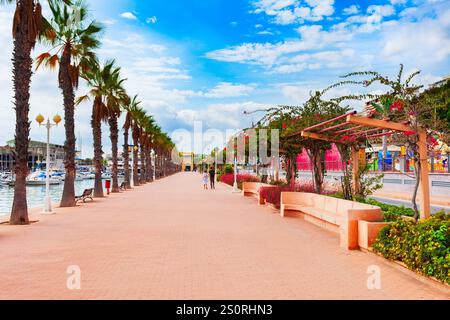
382, 124
318, 136
349, 129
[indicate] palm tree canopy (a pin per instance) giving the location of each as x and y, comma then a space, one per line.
69, 31
106, 87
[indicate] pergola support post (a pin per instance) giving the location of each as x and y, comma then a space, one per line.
424, 194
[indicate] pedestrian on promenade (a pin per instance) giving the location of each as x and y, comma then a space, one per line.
212, 178
205, 180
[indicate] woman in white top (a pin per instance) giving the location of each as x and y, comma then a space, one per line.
205, 179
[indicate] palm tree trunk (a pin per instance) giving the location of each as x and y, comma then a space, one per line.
143, 166
98, 152
65, 84
22, 65
114, 135
135, 156
126, 159
148, 161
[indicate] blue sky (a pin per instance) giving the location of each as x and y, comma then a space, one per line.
211, 60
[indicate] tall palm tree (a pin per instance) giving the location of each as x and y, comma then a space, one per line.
130, 109
115, 101
150, 130
73, 40
27, 27
108, 95
138, 115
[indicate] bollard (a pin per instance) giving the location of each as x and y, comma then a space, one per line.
107, 186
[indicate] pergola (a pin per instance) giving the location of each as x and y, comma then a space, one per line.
354, 126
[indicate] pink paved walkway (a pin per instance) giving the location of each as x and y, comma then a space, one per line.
173, 240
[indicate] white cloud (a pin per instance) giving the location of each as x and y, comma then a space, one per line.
222, 115
285, 12
383, 11
151, 20
129, 15
353, 9
398, 2
227, 90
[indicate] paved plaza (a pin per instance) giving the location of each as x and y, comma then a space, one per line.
174, 240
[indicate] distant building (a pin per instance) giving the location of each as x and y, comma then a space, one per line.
187, 161
36, 155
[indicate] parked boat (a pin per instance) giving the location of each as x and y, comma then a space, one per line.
106, 175
39, 179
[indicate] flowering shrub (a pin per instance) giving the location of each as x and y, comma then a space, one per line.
228, 178
423, 247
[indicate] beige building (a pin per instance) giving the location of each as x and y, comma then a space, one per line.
187, 164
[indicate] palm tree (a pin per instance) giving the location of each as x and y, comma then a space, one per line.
150, 130
27, 27
130, 109
138, 115
73, 40
108, 95
117, 98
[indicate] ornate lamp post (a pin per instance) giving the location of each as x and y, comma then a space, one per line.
132, 149
235, 185
48, 200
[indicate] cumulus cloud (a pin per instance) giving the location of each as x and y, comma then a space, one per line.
285, 12
353, 9
128, 15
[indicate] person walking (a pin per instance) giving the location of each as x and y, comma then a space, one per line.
212, 178
205, 180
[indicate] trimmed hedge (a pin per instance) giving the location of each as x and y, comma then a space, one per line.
390, 212
423, 247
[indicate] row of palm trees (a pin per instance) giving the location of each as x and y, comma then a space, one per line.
73, 39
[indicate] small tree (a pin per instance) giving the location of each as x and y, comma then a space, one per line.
403, 103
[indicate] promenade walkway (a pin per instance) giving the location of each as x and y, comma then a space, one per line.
174, 240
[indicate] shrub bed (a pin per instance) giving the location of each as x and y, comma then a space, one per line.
228, 178
423, 247
272, 194
390, 212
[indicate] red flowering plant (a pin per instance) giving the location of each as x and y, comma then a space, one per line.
245, 177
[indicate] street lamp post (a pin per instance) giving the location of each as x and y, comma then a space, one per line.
215, 163
48, 200
235, 185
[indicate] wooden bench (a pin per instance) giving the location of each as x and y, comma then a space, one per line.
252, 189
87, 194
338, 215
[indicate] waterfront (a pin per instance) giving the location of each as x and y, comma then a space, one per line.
36, 194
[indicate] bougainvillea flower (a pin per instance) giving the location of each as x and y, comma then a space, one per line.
409, 133
397, 106
284, 126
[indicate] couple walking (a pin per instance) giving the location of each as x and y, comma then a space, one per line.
211, 176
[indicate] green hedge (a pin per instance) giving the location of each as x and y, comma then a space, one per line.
390, 212
423, 247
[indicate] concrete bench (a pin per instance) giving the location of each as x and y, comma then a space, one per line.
337, 215
252, 189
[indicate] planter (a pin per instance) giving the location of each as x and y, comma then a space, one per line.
368, 232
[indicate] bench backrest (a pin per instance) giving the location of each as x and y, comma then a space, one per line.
253, 186
87, 192
329, 204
